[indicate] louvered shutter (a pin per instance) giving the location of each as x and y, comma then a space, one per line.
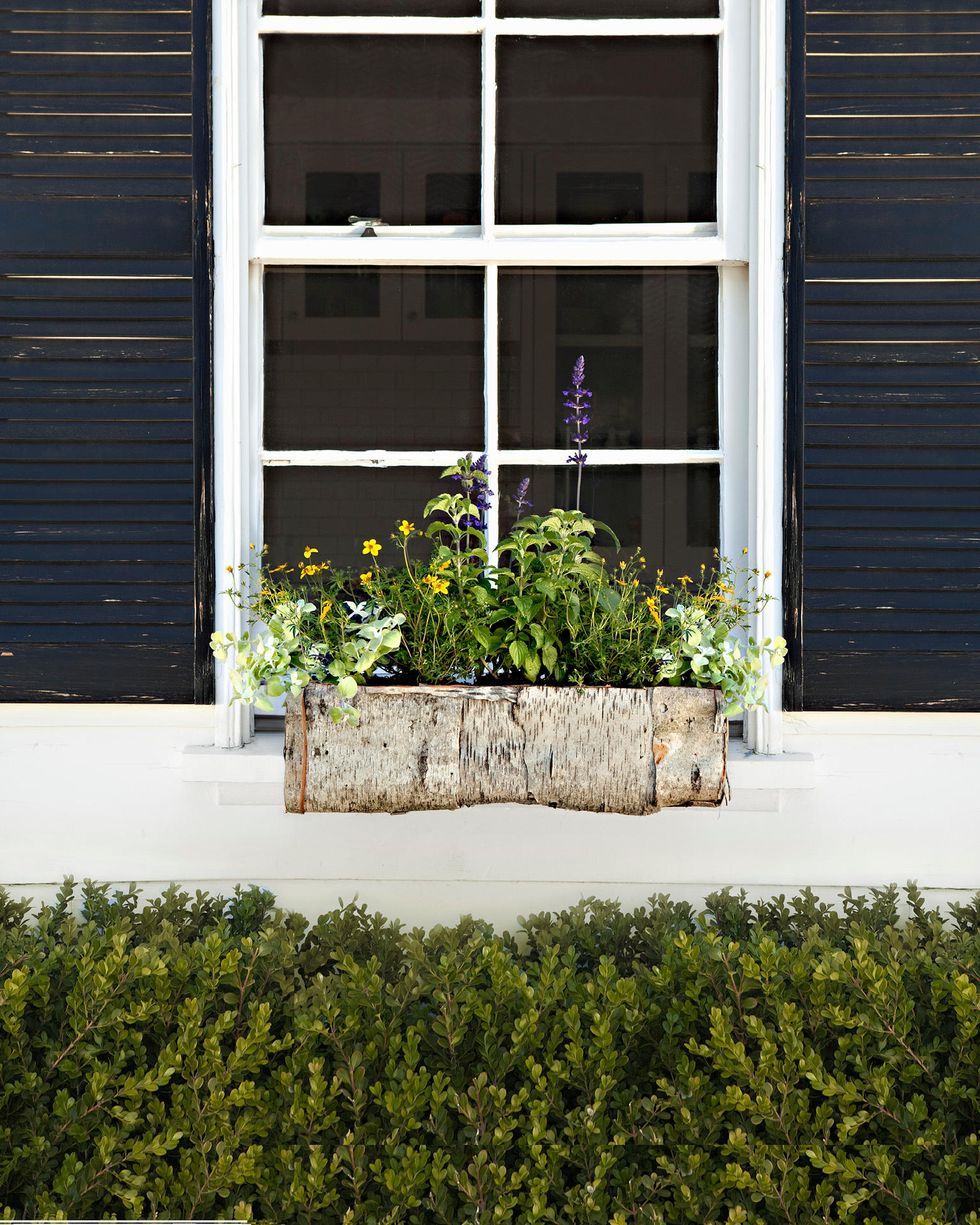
883, 415
104, 318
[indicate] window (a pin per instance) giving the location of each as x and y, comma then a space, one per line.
444, 204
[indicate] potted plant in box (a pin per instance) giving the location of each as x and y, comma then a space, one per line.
549, 673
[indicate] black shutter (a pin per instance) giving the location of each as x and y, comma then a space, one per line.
105, 333
883, 324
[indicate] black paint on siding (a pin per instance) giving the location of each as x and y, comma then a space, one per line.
883, 356
105, 338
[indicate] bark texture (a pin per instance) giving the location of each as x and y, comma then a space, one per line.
429, 747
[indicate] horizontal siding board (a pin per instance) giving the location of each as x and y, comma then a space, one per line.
100, 349
886, 365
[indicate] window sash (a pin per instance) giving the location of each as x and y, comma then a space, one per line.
723, 244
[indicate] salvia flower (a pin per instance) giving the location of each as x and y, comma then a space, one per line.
474, 480
520, 499
577, 404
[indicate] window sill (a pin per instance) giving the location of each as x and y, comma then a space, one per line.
757, 782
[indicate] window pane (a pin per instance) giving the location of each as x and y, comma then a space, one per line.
372, 127
337, 509
672, 512
605, 8
606, 130
366, 357
650, 342
375, 8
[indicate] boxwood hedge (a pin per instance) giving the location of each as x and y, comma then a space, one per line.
202, 1057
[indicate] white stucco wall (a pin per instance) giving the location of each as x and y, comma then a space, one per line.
112, 793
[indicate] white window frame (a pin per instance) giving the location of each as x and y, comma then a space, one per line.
745, 246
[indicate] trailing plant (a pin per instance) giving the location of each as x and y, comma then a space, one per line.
784, 1061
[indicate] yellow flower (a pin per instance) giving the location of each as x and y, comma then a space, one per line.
768, 574
622, 565
636, 582
439, 586
406, 528
371, 548
685, 578
663, 590
654, 608
325, 607
252, 547
443, 566
643, 561
309, 551
745, 552
230, 569
366, 578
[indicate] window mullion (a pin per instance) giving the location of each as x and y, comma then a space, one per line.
488, 215
491, 439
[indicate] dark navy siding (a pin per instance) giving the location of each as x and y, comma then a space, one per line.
104, 351
883, 415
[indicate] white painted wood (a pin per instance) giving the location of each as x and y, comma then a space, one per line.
943, 725
528, 26
734, 126
274, 249
764, 728
234, 463
607, 456
491, 414
110, 802
93, 716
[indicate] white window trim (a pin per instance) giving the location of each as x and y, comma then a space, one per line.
748, 257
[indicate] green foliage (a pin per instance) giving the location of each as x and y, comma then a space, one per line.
551, 609
784, 1061
292, 650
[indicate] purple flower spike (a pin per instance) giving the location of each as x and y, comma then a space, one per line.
478, 491
520, 499
577, 401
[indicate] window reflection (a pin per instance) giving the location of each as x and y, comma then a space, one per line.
374, 358
618, 130
372, 127
650, 340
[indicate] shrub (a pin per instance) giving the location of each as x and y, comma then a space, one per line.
206, 1057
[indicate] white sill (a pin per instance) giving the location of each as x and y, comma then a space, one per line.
261, 763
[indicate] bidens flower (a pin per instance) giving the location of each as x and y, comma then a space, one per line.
371, 548
309, 551
366, 578
439, 586
406, 528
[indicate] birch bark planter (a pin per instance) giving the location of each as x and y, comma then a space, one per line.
436, 747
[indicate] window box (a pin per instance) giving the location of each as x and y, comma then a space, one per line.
417, 748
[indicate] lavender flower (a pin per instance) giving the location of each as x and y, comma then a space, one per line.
577, 402
520, 499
